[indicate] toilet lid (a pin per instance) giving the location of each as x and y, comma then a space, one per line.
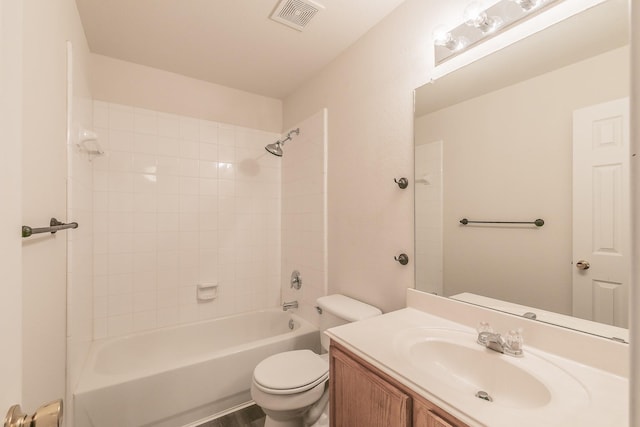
290, 372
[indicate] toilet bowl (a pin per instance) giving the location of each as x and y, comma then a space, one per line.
286, 386
292, 387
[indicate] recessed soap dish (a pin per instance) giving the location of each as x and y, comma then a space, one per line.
206, 291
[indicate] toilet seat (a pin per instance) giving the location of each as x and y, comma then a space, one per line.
291, 372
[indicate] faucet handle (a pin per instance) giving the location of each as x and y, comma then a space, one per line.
514, 339
484, 327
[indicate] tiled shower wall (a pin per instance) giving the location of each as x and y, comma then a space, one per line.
179, 202
304, 231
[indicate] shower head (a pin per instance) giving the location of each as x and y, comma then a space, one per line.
276, 147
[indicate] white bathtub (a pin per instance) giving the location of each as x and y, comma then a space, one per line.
175, 376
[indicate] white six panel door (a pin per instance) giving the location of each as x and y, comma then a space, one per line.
601, 213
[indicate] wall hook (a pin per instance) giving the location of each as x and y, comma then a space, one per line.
402, 259
402, 182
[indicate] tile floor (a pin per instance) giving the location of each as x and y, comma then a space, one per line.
251, 416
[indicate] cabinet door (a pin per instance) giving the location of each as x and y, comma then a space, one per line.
359, 398
423, 416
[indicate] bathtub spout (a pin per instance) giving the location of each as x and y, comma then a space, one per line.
289, 305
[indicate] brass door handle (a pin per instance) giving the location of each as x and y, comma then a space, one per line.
49, 415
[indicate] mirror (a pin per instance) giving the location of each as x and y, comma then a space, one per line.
494, 142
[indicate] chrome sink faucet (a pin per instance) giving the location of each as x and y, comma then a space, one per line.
511, 345
289, 305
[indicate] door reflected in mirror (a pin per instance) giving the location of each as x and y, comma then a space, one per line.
511, 137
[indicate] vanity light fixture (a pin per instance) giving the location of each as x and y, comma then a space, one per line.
480, 24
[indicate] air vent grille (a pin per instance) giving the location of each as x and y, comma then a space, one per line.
296, 13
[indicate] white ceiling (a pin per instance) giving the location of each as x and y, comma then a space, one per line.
228, 42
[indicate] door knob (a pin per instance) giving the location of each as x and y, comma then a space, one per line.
49, 415
583, 265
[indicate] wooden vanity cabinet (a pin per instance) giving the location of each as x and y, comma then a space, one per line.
363, 396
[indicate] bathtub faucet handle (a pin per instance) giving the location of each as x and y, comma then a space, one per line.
289, 305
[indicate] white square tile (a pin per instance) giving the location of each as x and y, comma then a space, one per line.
145, 281
209, 240
120, 243
168, 203
120, 182
168, 125
189, 203
208, 152
208, 169
145, 261
169, 260
145, 202
145, 163
189, 185
208, 132
167, 298
169, 279
208, 186
145, 222
168, 184
120, 221
189, 129
226, 154
189, 167
99, 327
168, 241
144, 320
189, 149
119, 325
100, 306
168, 146
226, 136
121, 140
120, 264
100, 180
144, 143
145, 121
121, 117
100, 201
144, 183
168, 221
120, 304
168, 316
120, 202
168, 165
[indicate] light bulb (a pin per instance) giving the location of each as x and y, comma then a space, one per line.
475, 16
443, 37
528, 5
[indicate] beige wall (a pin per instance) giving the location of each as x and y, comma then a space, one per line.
508, 156
46, 28
10, 195
303, 244
368, 93
127, 83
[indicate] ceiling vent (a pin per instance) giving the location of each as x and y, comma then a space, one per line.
296, 13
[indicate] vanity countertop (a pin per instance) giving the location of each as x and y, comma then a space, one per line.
580, 394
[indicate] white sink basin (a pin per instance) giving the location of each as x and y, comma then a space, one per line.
455, 362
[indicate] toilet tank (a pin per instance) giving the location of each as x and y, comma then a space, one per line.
338, 310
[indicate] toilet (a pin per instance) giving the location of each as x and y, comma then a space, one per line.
292, 387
